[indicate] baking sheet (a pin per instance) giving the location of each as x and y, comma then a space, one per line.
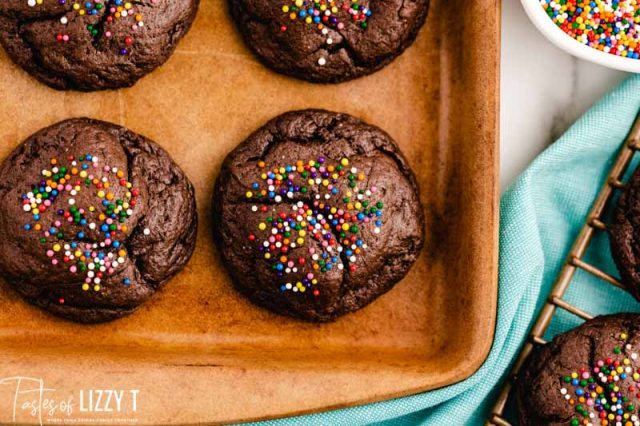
198, 351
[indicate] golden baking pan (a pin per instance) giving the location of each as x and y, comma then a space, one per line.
198, 351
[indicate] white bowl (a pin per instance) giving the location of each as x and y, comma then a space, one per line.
567, 43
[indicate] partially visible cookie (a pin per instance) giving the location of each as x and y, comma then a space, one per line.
587, 376
93, 44
624, 235
328, 41
94, 220
317, 214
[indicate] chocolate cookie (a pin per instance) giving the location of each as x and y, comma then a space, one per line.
328, 41
584, 376
94, 219
317, 214
624, 235
93, 44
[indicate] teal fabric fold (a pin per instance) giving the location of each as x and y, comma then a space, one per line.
541, 214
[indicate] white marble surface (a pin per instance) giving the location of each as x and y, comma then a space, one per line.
544, 90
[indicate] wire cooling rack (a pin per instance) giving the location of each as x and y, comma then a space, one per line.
594, 223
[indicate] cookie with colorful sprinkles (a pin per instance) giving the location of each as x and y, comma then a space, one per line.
623, 235
93, 44
317, 214
328, 41
587, 376
99, 218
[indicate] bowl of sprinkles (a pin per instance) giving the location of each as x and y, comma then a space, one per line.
606, 32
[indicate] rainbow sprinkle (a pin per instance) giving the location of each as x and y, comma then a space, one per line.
112, 10
324, 14
596, 393
95, 248
327, 203
611, 26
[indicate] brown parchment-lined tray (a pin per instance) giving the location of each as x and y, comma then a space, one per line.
198, 351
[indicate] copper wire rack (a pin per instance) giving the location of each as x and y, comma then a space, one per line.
575, 261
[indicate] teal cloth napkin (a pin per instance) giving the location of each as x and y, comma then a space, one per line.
541, 214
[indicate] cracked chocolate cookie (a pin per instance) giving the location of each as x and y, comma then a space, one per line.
624, 235
94, 44
328, 41
317, 214
95, 220
587, 376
